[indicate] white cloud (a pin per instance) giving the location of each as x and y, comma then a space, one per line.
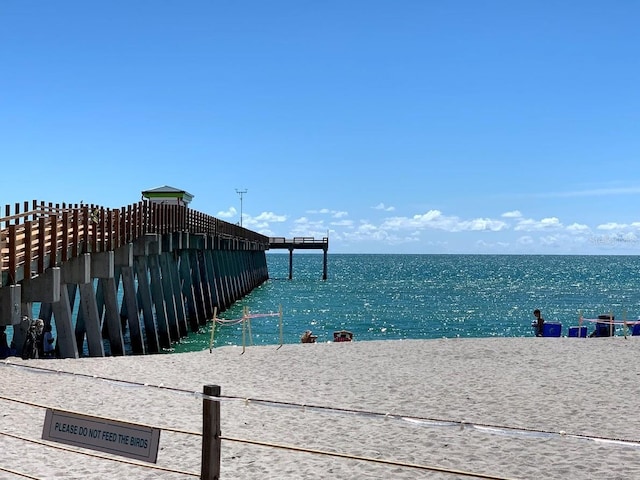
382, 206
270, 217
512, 214
483, 224
537, 235
612, 226
578, 228
232, 212
436, 220
262, 223
325, 211
530, 225
304, 222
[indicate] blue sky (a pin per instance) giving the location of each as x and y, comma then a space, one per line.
393, 126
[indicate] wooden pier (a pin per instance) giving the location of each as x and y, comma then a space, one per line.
173, 264
302, 243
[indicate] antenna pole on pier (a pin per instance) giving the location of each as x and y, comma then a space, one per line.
241, 193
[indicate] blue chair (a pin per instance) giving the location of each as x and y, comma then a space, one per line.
578, 332
636, 329
551, 329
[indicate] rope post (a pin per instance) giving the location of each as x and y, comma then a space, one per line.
580, 325
211, 441
280, 321
249, 325
244, 329
610, 324
213, 328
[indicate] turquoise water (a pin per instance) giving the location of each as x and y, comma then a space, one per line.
390, 297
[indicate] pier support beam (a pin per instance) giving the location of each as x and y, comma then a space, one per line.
212, 279
141, 250
324, 264
188, 290
102, 268
224, 300
123, 261
10, 299
168, 297
77, 271
196, 242
157, 296
172, 264
290, 263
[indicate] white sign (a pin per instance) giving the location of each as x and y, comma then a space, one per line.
109, 436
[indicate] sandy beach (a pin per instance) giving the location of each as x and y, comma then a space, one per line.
509, 408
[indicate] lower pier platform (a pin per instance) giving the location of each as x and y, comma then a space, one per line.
301, 243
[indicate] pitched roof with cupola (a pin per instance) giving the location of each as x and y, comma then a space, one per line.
166, 192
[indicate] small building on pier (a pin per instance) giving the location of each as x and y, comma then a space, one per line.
168, 195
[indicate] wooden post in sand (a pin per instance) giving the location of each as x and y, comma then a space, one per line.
210, 465
610, 324
280, 322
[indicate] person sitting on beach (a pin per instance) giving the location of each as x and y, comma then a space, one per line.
539, 322
308, 337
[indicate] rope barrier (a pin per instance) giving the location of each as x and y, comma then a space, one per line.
224, 321
444, 422
245, 320
414, 419
367, 459
606, 321
341, 410
248, 315
250, 442
20, 474
260, 315
102, 457
239, 440
263, 444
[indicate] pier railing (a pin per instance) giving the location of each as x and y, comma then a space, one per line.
37, 235
299, 242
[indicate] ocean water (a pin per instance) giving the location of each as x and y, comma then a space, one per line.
391, 297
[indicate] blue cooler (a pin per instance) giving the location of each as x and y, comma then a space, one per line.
636, 329
551, 329
580, 332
